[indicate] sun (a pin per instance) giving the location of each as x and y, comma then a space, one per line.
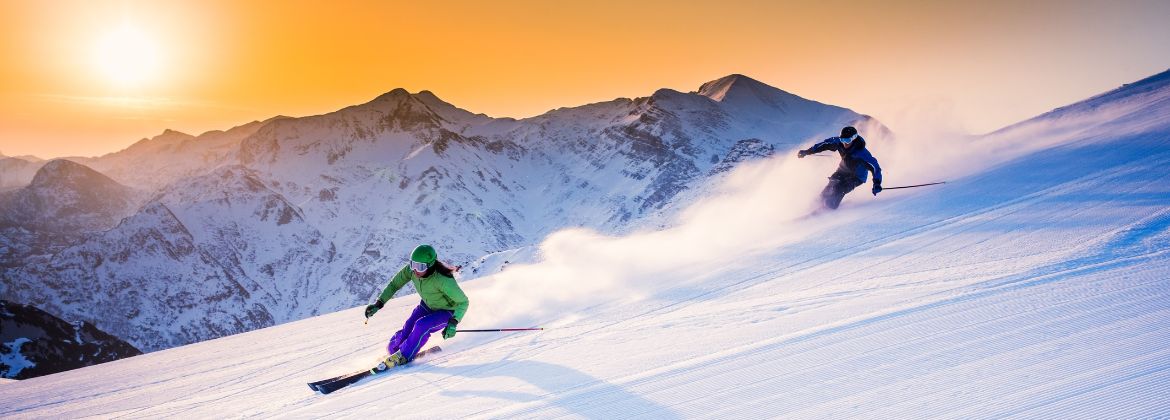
128, 57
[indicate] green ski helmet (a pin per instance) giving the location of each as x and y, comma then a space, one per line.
424, 254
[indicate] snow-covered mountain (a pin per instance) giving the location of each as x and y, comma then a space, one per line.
1033, 284
64, 203
149, 164
278, 220
66, 197
154, 163
208, 257
34, 343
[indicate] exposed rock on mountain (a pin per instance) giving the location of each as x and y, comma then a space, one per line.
35, 343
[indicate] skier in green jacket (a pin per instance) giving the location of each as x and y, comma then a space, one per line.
442, 307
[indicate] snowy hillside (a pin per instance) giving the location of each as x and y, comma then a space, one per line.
278, 220
1034, 284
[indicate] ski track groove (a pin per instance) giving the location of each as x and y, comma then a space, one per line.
171, 378
1147, 388
1003, 341
927, 358
219, 395
665, 377
436, 363
233, 379
223, 389
1037, 365
1147, 364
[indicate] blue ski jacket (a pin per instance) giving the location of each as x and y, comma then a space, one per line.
856, 161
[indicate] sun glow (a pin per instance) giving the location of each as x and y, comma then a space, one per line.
129, 57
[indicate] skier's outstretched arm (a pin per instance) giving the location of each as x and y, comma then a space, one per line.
826, 144
396, 283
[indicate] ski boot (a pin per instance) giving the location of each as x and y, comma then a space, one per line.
390, 361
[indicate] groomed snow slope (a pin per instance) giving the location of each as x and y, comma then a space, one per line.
1035, 284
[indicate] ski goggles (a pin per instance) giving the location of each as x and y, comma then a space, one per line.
848, 140
419, 267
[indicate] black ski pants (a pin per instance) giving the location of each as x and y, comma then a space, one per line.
839, 185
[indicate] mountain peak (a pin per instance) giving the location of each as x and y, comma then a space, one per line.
169, 134
393, 95
732, 85
399, 94
64, 171
424, 104
428, 98
69, 198
742, 94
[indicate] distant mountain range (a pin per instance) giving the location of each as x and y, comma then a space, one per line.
16, 172
182, 238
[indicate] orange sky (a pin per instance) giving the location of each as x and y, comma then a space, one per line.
204, 65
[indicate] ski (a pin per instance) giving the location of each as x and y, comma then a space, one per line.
314, 385
326, 386
345, 381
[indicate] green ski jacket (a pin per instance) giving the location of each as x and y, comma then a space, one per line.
437, 291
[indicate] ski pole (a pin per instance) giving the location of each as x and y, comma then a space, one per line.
913, 186
504, 329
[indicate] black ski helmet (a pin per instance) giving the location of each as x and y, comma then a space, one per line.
848, 132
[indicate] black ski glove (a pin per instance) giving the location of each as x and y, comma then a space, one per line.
801, 154
877, 187
373, 308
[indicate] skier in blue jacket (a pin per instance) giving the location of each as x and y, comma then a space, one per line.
856, 163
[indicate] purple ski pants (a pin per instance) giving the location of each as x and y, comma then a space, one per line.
417, 328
